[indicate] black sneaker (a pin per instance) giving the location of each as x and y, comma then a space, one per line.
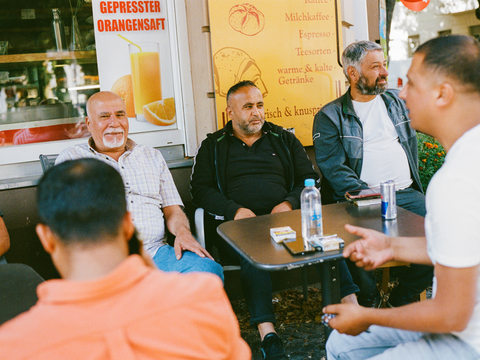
272, 347
399, 298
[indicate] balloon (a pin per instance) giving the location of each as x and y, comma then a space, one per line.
416, 5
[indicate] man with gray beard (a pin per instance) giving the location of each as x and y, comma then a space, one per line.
362, 139
151, 194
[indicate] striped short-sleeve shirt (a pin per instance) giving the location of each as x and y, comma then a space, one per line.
149, 186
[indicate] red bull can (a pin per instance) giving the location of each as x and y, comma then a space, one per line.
389, 200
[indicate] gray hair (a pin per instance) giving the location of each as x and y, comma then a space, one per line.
355, 53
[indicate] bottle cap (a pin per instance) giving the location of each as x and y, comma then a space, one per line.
309, 182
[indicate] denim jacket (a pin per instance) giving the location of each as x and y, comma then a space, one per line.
338, 142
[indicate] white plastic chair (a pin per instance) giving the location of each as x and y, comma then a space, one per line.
200, 235
47, 161
199, 226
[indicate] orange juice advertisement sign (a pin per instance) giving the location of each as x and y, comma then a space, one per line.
288, 48
133, 55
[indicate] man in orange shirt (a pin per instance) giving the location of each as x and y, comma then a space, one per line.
111, 303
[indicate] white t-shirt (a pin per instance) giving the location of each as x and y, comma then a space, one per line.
452, 224
383, 156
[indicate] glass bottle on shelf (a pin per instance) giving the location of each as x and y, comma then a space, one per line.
77, 41
58, 31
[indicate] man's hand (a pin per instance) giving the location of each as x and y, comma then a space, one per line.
371, 251
244, 213
177, 223
282, 207
350, 319
184, 240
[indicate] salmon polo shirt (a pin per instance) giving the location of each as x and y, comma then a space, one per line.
135, 312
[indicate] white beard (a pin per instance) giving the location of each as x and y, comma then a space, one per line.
114, 143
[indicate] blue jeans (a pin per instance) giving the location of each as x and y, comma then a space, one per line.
166, 260
413, 279
411, 200
381, 343
2, 260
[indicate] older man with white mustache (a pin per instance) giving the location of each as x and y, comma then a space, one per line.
116, 141
151, 194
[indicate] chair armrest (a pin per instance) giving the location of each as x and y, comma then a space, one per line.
199, 226
47, 161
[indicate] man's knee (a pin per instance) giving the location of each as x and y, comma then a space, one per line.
195, 263
190, 262
332, 345
346, 347
412, 200
214, 268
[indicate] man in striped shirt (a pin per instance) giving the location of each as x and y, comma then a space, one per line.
151, 194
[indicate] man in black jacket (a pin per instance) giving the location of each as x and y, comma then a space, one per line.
251, 168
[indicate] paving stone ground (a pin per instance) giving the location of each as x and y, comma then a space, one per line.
298, 324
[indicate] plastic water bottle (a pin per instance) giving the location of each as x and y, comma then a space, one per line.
311, 207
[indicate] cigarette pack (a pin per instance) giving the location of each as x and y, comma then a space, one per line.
282, 233
368, 202
327, 243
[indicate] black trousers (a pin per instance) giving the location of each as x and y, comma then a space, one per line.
413, 279
256, 284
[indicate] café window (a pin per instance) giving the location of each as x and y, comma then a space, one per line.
445, 32
55, 54
475, 31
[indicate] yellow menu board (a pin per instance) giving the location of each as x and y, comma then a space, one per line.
288, 48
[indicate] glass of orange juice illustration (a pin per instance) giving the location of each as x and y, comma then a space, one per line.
146, 78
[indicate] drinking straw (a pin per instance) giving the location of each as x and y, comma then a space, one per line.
79, 4
124, 38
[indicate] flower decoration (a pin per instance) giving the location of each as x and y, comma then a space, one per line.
431, 155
